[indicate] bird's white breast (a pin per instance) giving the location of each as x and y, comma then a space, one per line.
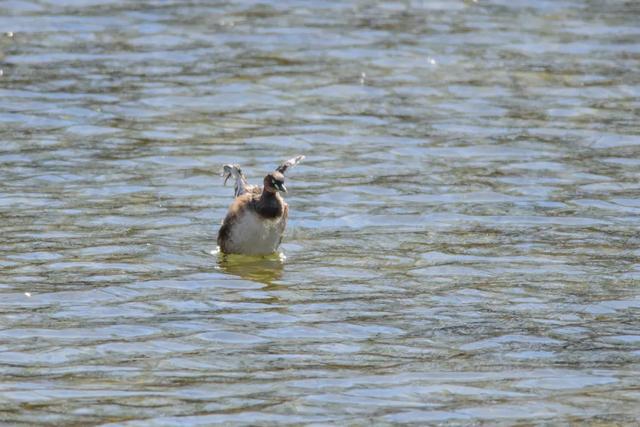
252, 234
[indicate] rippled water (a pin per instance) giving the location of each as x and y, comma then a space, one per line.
463, 240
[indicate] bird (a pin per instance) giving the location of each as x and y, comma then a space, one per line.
257, 217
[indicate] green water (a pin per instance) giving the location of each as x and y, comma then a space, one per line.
463, 238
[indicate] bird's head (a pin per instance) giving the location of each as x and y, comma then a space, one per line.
274, 182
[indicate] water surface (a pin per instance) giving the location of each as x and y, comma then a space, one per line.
463, 239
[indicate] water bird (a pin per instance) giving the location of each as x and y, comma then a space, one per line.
257, 217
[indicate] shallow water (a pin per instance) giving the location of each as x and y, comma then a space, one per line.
463, 241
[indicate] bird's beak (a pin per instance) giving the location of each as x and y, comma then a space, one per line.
281, 187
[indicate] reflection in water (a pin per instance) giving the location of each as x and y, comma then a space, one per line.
263, 269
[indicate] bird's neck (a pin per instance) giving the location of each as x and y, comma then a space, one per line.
269, 205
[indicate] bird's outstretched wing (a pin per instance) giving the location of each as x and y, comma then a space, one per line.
241, 185
289, 163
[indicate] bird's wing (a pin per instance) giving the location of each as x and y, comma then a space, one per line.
241, 185
289, 163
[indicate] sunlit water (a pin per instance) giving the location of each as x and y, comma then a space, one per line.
463, 240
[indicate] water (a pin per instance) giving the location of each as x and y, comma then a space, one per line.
463, 241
